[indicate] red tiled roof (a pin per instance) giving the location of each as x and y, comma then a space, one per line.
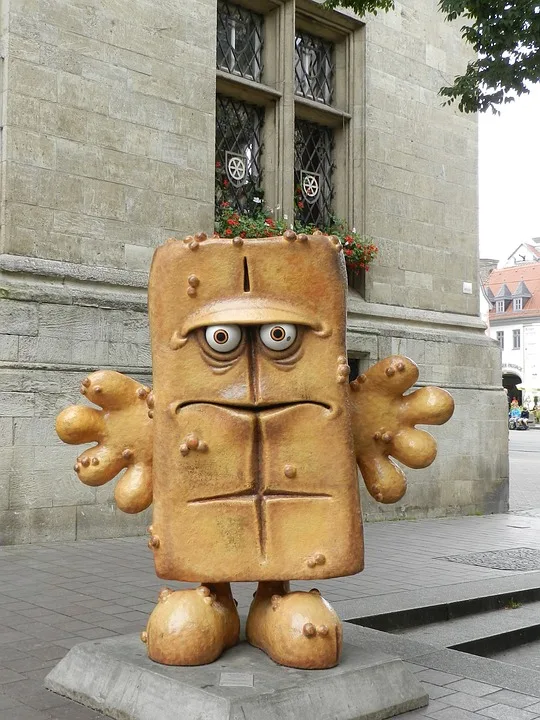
512, 276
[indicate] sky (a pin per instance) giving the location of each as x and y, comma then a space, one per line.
509, 176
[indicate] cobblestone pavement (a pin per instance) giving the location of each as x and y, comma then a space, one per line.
456, 698
57, 595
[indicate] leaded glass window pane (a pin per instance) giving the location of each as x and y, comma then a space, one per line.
314, 68
313, 169
239, 41
238, 153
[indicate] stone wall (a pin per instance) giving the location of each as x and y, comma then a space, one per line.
421, 200
108, 127
51, 339
470, 473
421, 164
108, 149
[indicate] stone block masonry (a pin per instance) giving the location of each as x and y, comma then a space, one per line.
107, 116
108, 128
108, 144
55, 344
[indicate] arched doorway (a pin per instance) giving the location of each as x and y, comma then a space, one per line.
510, 380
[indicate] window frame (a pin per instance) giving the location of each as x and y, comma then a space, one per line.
318, 52
276, 93
500, 338
499, 306
239, 195
257, 61
516, 339
515, 303
319, 210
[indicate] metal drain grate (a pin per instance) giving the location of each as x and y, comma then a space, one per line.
521, 559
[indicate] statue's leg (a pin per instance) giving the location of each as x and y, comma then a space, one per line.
192, 627
298, 629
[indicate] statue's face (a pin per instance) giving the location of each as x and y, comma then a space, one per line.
256, 325
252, 429
258, 366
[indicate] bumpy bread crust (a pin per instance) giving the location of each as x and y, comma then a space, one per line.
123, 432
383, 424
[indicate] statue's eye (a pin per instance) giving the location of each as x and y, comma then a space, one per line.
223, 338
278, 337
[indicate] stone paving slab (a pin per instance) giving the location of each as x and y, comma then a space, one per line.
54, 596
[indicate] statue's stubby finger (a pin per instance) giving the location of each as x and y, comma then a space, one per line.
384, 480
414, 448
99, 465
391, 376
80, 424
133, 492
112, 390
427, 406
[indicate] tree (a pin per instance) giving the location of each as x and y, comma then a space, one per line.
505, 35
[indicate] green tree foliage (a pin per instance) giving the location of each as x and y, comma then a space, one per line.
506, 37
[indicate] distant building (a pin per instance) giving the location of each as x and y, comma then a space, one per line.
514, 321
525, 253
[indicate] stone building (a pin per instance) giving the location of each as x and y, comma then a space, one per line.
109, 115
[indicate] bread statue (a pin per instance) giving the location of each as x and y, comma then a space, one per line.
249, 443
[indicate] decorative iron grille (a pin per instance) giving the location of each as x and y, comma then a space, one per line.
313, 170
238, 154
239, 41
314, 68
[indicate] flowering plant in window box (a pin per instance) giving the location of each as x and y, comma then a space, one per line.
232, 223
359, 250
255, 220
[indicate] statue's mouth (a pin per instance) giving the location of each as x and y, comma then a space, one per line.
253, 407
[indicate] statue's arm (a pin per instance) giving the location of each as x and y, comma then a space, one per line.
122, 430
384, 422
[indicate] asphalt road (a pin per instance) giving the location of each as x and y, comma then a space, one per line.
525, 471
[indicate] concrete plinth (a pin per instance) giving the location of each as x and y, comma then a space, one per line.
115, 677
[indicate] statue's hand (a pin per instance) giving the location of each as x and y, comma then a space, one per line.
123, 432
384, 420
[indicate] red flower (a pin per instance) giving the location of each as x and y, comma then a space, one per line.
300, 204
232, 221
270, 222
228, 232
225, 182
348, 252
224, 204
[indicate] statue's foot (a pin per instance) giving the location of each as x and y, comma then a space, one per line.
298, 629
192, 627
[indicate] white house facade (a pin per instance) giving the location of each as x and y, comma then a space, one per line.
514, 322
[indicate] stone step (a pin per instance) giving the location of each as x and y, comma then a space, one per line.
511, 625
